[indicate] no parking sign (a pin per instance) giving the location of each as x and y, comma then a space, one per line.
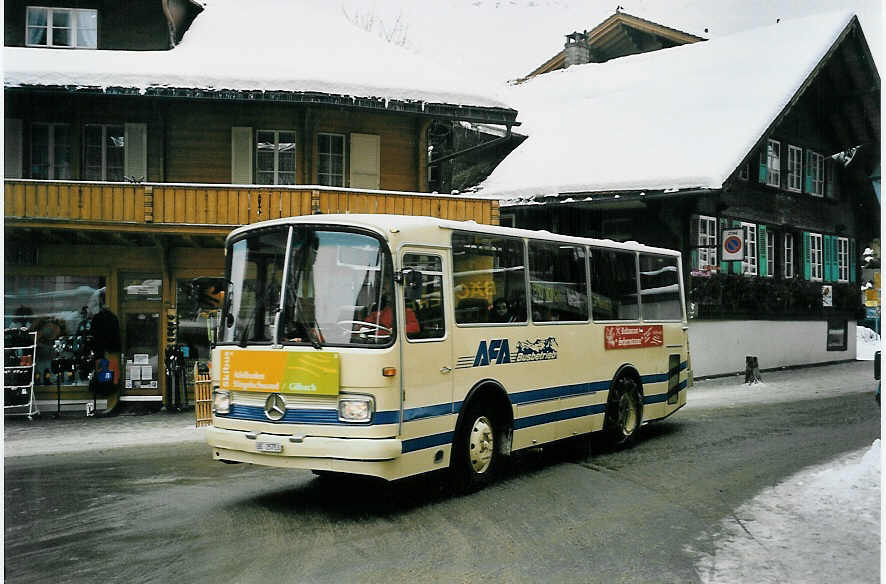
732, 245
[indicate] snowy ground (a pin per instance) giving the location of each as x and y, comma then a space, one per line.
820, 525
867, 342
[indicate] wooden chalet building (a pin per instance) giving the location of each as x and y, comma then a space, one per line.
137, 135
774, 131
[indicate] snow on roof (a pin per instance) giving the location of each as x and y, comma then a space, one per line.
677, 118
272, 45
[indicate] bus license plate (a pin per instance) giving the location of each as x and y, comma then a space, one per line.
268, 447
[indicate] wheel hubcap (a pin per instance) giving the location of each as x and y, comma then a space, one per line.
627, 414
481, 444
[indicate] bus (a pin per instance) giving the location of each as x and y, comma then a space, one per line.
389, 345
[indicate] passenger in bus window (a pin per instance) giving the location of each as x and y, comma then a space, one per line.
385, 317
501, 312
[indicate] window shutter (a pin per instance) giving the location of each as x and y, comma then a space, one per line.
724, 266
807, 265
828, 252
12, 148
365, 161
135, 151
764, 163
852, 260
241, 155
762, 267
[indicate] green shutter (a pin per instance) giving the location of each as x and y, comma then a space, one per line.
852, 260
693, 258
762, 267
828, 257
807, 265
764, 162
724, 266
807, 183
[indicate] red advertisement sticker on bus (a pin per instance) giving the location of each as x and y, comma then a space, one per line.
634, 337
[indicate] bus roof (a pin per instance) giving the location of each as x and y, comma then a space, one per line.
404, 224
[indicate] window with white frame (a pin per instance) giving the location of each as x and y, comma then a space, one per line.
51, 151
815, 172
816, 257
275, 157
104, 147
795, 168
74, 28
744, 173
749, 264
331, 159
843, 259
773, 163
707, 242
788, 255
770, 253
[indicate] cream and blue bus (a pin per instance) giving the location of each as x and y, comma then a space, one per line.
390, 345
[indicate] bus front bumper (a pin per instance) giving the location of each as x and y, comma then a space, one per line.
300, 451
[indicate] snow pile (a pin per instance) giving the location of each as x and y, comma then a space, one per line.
671, 119
867, 342
820, 525
271, 45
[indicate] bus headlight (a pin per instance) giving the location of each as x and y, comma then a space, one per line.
221, 401
355, 408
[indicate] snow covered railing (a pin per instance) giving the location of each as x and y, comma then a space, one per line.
214, 204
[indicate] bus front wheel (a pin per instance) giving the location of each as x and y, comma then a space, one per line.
623, 412
475, 451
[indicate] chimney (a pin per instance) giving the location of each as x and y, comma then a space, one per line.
577, 51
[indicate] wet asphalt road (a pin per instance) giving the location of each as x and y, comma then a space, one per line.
570, 513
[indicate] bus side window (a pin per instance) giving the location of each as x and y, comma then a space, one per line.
614, 285
426, 306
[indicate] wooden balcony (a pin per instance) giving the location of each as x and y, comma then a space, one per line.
210, 209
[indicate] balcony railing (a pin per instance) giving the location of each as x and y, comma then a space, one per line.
219, 205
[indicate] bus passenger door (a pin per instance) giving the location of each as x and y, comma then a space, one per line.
427, 357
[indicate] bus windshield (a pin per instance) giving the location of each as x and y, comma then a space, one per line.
337, 290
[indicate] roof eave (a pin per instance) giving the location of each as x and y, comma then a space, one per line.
456, 112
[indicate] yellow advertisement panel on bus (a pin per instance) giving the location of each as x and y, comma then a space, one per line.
280, 372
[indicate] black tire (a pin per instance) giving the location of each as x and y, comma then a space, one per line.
624, 412
475, 452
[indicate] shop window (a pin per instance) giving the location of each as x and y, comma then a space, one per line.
614, 288
557, 282
836, 340
59, 308
73, 28
274, 157
331, 160
486, 268
51, 151
141, 289
660, 288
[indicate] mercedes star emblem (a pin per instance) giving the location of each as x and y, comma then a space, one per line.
275, 407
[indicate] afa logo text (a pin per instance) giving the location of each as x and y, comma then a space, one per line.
498, 352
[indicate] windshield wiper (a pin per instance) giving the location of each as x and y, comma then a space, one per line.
313, 336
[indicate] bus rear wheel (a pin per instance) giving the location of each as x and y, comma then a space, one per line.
475, 456
623, 412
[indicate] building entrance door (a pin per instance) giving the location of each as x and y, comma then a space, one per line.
142, 365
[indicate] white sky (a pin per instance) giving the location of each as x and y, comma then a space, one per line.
505, 39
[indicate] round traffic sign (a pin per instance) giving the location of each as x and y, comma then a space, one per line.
732, 244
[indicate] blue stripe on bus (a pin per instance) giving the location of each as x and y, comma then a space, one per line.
657, 378
549, 393
426, 412
304, 416
414, 444
557, 416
